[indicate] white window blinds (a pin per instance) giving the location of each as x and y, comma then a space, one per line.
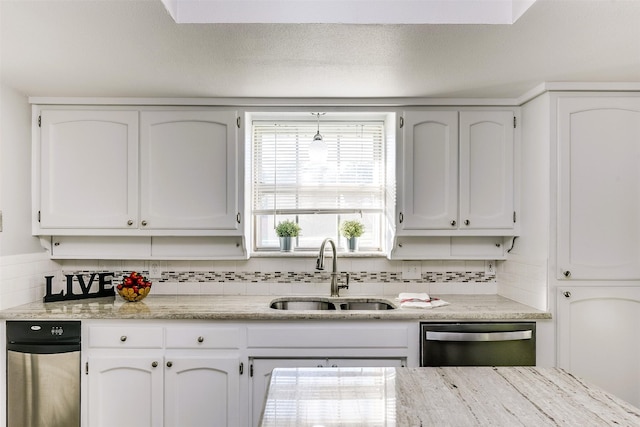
291, 177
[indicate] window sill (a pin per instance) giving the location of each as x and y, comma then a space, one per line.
314, 254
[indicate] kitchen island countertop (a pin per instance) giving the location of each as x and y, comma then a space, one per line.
447, 396
250, 307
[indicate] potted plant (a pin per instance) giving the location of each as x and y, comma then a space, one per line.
351, 230
286, 230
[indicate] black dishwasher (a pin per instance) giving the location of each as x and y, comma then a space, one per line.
43, 373
478, 344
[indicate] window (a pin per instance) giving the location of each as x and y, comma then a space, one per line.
318, 186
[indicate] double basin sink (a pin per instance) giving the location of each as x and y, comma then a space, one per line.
331, 303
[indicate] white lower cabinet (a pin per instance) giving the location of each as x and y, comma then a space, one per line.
206, 373
599, 339
201, 391
125, 390
324, 344
261, 373
158, 376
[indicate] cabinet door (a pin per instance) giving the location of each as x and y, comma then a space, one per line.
486, 169
599, 188
261, 376
262, 368
88, 169
429, 171
189, 166
125, 391
599, 339
203, 391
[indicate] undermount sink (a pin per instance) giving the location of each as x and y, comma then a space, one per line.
366, 305
285, 304
336, 304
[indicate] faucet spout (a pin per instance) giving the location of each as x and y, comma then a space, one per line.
335, 288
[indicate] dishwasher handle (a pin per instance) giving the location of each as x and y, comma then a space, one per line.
479, 336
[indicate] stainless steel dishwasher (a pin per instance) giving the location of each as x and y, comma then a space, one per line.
478, 344
43, 373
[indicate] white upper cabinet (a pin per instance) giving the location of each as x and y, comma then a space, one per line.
88, 169
456, 173
138, 172
188, 170
599, 188
429, 166
486, 170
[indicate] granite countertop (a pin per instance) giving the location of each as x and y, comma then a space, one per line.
448, 396
248, 307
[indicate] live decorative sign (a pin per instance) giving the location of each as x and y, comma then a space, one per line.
105, 287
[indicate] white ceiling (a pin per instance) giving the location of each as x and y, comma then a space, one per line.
134, 48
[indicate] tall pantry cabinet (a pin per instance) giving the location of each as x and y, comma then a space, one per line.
595, 276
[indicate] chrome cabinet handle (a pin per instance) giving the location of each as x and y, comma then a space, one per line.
154, 364
567, 294
453, 222
467, 222
200, 339
169, 364
400, 217
566, 274
144, 223
123, 338
130, 222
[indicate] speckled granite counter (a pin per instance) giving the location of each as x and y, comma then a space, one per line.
452, 396
247, 307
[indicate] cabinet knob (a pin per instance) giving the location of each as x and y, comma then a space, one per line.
130, 222
467, 222
144, 223
169, 364
566, 274
453, 222
200, 339
154, 364
567, 294
123, 338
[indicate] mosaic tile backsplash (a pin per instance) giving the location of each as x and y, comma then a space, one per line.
304, 277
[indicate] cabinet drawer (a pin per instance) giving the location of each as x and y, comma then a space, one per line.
328, 337
125, 337
203, 337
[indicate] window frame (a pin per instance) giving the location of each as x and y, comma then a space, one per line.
381, 214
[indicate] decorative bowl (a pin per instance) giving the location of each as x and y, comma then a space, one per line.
134, 287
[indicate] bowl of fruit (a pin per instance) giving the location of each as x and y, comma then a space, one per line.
134, 287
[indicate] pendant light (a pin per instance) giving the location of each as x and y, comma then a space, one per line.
318, 150
317, 136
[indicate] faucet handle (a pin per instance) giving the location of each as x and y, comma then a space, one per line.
346, 283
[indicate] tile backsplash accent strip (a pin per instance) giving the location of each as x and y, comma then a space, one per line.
305, 277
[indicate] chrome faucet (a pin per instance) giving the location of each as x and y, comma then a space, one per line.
335, 288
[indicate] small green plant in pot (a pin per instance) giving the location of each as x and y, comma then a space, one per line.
351, 230
286, 231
